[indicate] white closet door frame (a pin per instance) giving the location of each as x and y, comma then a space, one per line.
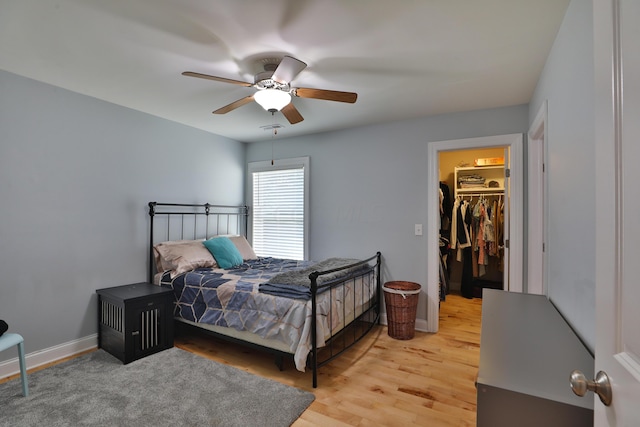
515, 229
536, 204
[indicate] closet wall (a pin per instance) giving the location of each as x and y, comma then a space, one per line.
448, 161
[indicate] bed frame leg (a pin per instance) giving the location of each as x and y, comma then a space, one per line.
280, 362
315, 377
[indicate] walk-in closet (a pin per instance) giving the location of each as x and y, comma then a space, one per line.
473, 217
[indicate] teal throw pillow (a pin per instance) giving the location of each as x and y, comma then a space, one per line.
224, 251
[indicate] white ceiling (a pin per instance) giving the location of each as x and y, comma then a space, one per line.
404, 58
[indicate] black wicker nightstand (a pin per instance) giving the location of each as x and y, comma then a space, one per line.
135, 320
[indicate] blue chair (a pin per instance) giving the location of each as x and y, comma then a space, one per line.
9, 340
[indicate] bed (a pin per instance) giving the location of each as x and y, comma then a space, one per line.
305, 310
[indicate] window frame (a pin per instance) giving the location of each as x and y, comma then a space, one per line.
282, 164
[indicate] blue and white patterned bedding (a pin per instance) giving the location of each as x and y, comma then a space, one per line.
231, 298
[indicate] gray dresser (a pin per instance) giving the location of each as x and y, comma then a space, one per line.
527, 352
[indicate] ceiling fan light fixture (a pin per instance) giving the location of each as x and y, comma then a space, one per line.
272, 99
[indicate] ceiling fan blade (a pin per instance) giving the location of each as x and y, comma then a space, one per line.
329, 95
288, 69
292, 114
239, 103
218, 79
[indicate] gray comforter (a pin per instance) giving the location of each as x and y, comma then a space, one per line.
296, 283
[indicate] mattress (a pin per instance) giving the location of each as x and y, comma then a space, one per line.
229, 302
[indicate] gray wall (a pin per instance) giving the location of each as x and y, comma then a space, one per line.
368, 185
75, 176
567, 84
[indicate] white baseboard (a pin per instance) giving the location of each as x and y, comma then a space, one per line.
48, 355
421, 324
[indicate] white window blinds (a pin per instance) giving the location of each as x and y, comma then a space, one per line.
278, 213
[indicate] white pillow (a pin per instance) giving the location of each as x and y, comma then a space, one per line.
243, 247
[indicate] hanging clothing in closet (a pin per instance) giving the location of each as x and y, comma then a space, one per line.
461, 238
445, 210
477, 227
461, 220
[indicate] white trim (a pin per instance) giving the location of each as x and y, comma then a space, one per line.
536, 218
514, 142
48, 355
433, 245
421, 324
629, 363
516, 215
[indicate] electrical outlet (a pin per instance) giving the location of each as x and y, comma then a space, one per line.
418, 228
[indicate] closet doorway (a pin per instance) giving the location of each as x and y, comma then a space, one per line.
472, 219
511, 187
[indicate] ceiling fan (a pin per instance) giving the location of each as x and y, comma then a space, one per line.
274, 89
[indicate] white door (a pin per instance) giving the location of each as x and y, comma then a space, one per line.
617, 132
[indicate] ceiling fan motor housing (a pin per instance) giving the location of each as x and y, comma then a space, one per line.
263, 79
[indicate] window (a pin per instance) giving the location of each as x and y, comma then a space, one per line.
279, 200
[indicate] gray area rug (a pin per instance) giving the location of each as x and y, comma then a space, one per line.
170, 388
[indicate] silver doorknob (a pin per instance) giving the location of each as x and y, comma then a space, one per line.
601, 385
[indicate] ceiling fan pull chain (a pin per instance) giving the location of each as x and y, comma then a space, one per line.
275, 132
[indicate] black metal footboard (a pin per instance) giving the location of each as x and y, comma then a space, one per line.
364, 314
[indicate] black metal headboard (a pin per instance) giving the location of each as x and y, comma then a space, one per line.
177, 221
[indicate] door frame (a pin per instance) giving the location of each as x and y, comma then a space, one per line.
515, 230
536, 207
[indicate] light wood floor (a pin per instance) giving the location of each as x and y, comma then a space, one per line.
426, 381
